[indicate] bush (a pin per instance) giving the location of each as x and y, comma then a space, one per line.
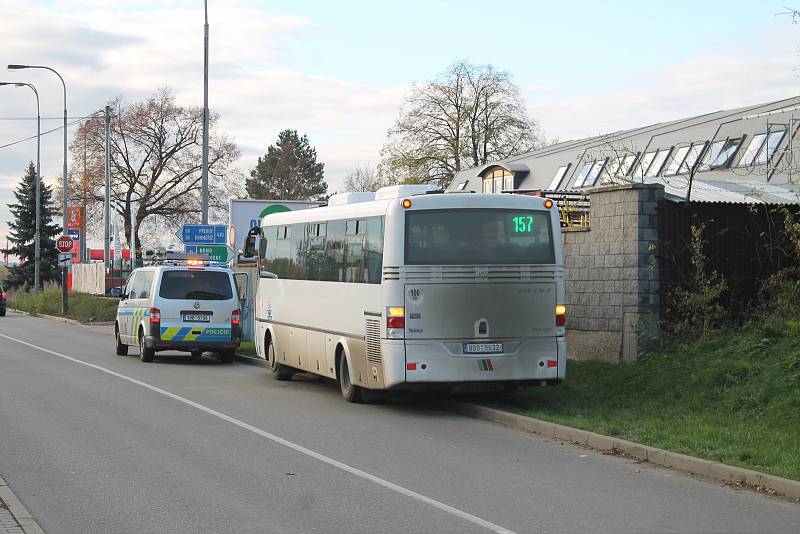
82, 307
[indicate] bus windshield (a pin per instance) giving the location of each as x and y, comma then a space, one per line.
478, 237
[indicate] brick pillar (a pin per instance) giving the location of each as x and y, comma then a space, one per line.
612, 274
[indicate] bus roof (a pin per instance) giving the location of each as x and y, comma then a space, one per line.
379, 207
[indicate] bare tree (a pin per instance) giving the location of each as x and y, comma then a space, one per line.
155, 162
364, 178
468, 116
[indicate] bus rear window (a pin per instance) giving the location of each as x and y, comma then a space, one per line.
478, 237
196, 285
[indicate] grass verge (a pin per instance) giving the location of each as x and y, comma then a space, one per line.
732, 397
247, 348
82, 307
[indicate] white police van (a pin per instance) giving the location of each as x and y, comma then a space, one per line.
183, 303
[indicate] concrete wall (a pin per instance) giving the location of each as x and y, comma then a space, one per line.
612, 274
89, 278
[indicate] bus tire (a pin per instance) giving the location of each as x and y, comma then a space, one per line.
122, 350
279, 371
350, 391
145, 354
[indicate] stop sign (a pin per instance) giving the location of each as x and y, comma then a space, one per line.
64, 243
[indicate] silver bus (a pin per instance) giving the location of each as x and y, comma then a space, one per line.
405, 288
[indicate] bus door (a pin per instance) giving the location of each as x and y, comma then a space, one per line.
245, 289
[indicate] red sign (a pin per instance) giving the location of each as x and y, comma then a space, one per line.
76, 217
64, 243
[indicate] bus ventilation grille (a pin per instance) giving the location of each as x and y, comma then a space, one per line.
374, 342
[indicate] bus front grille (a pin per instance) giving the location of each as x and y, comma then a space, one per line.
472, 273
374, 342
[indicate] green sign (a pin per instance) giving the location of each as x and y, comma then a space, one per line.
220, 253
523, 224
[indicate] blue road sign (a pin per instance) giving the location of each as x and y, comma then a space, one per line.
72, 232
203, 234
190, 249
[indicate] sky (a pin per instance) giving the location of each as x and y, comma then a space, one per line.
339, 71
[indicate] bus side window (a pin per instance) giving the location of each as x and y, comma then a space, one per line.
332, 270
354, 259
374, 250
297, 252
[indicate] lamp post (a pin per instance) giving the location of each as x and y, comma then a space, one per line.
204, 201
64, 303
37, 239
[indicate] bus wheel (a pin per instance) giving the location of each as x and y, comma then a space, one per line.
350, 391
279, 371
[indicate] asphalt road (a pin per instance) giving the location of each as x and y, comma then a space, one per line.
93, 442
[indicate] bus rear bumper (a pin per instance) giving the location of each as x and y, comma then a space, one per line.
533, 361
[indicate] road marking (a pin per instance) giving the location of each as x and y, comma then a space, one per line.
286, 443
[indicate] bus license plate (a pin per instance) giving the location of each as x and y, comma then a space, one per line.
197, 317
482, 348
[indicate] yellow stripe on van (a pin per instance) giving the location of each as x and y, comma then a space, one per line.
170, 333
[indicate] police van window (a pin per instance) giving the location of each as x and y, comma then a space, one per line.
144, 281
129, 288
196, 285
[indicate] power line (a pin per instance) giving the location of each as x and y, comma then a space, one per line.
47, 131
44, 118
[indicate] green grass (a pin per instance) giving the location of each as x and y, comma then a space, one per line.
82, 307
248, 348
732, 397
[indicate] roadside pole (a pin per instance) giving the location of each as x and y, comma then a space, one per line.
107, 209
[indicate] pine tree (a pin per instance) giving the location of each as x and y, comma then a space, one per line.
288, 171
23, 231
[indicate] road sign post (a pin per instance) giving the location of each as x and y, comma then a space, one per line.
64, 245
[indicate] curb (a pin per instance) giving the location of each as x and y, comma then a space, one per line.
250, 360
681, 462
18, 510
63, 319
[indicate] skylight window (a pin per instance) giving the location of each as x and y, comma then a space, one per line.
695, 151
585, 170
720, 154
626, 165
558, 177
677, 159
645, 162
591, 179
752, 150
773, 140
461, 186
658, 161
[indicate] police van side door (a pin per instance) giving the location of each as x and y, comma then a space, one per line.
245, 291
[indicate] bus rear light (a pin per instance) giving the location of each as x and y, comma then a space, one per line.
406, 203
395, 322
235, 315
561, 315
548, 203
155, 315
411, 366
552, 363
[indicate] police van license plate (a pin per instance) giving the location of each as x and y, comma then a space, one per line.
196, 317
482, 348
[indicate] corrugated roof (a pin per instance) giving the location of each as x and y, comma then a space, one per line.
738, 192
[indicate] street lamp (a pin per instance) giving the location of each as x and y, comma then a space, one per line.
204, 200
64, 303
37, 239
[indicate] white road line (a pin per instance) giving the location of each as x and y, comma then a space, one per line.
277, 439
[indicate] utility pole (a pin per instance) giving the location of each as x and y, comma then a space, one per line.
204, 206
107, 207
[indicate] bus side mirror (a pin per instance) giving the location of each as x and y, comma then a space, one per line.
251, 243
267, 274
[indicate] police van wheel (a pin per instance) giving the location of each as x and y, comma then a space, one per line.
227, 356
350, 391
279, 371
145, 354
122, 350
